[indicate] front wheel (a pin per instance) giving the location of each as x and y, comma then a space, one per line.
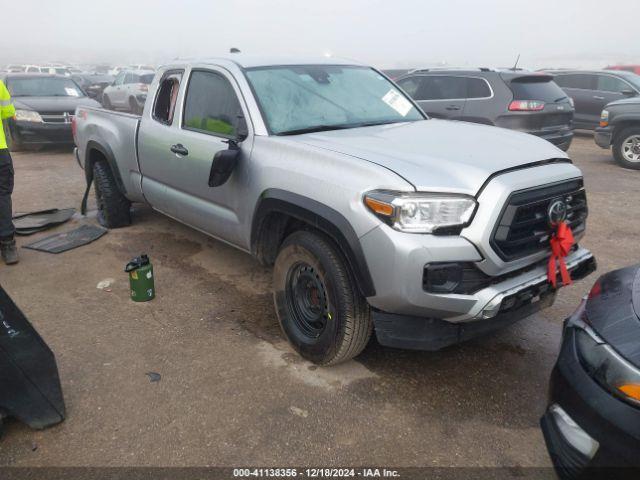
319, 307
626, 148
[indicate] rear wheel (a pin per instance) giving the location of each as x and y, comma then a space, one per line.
319, 307
626, 148
114, 210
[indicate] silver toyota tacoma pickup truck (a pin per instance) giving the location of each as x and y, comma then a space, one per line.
375, 217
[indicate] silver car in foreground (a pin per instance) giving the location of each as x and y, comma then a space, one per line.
375, 217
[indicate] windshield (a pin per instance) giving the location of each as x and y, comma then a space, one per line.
43, 87
300, 99
545, 91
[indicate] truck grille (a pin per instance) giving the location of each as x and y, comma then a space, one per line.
524, 229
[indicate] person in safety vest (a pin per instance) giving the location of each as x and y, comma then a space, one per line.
8, 249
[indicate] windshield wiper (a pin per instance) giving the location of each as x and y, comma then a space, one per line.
315, 128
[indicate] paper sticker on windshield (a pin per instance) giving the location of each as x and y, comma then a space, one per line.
395, 100
72, 92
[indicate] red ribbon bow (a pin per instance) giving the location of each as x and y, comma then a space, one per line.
561, 242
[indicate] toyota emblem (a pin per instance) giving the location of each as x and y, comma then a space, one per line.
557, 212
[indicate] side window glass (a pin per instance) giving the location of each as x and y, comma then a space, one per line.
477, 88
572, 80
607, 83
211, 105
410, 85
128, 78
168, 88
441, 87
119, 79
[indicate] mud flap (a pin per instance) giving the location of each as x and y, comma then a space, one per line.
29, 383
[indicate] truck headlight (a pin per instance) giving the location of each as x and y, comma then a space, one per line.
421, 212
28, 116
607, 366
604, 118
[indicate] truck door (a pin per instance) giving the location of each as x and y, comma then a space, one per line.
175, 163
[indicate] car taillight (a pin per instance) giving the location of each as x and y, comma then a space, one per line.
144, 87
526, 106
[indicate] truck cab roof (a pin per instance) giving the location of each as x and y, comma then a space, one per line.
250, 61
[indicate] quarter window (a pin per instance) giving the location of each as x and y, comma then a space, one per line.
211, 105
164, 108
477, 88
410, 85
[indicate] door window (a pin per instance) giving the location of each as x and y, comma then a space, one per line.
608, 83
167, 96
442, 87
119, 79
129, 78
211, 105
478, 88
576, 80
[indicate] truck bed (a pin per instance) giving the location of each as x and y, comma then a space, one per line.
114, 134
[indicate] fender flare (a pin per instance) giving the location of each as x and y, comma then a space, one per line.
106, 151
324, 218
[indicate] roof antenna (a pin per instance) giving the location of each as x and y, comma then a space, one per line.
234, 50
515, 65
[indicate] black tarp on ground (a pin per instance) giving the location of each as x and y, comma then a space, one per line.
29, 384
61, 242
33, 222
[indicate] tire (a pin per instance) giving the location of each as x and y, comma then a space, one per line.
106, 103
319, 306
626, 148
114, 210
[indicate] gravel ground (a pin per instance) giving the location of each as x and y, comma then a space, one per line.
232, 392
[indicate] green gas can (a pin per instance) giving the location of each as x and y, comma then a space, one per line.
140, 273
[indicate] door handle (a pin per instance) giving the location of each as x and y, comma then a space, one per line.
179, 150
597, 97
453, 107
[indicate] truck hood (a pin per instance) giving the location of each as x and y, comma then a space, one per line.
53, 104
613, 310
437, 155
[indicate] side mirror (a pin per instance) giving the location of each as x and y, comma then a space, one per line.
629, 93
224, 162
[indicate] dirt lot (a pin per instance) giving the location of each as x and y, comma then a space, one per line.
232, 392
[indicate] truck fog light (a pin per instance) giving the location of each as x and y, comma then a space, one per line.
441, 277
572, 433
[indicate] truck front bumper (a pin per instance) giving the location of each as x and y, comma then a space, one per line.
406, 315
603, 136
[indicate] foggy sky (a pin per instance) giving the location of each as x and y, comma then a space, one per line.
392, 33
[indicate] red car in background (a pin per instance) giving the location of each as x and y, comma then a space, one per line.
628, 68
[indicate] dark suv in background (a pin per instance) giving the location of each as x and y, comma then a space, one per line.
592, 90
518, 100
